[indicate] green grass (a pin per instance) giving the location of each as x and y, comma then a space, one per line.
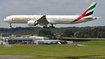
93, 43
64, 51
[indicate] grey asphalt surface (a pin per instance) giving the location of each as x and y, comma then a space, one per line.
16, 56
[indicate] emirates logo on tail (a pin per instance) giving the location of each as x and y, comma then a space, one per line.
89, 11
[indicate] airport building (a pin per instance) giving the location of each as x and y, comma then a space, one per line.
6, 35
24, 40
27, 41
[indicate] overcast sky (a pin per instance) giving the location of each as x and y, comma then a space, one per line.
51, 7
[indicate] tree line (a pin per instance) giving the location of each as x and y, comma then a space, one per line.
91, 33
80, 32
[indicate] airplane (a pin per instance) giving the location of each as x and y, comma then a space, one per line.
44, 20
37, 42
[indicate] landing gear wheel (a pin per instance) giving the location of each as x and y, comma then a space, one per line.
52, 26
45, 27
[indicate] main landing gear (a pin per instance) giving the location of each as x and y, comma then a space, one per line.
49, 26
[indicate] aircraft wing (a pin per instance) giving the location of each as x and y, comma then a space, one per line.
42, 20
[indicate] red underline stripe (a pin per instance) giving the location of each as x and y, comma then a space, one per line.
81, 16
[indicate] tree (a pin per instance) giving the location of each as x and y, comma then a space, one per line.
68, 33
77, 34
46, 33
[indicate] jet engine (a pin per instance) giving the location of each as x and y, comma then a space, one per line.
32, 23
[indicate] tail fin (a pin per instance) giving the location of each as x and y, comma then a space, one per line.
89, 11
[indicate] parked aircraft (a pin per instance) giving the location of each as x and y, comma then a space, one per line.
47, 42
44, 20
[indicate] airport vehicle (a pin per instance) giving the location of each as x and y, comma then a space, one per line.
44, 20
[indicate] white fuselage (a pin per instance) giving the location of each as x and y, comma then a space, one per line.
52, 19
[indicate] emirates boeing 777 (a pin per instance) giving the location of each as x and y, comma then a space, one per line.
44, 20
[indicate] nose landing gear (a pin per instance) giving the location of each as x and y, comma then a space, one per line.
10, 25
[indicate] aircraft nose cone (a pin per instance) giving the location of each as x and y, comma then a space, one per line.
5, 20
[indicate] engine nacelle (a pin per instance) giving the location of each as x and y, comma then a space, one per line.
32, 23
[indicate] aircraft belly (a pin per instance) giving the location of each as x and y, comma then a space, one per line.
65, 21
61, 20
